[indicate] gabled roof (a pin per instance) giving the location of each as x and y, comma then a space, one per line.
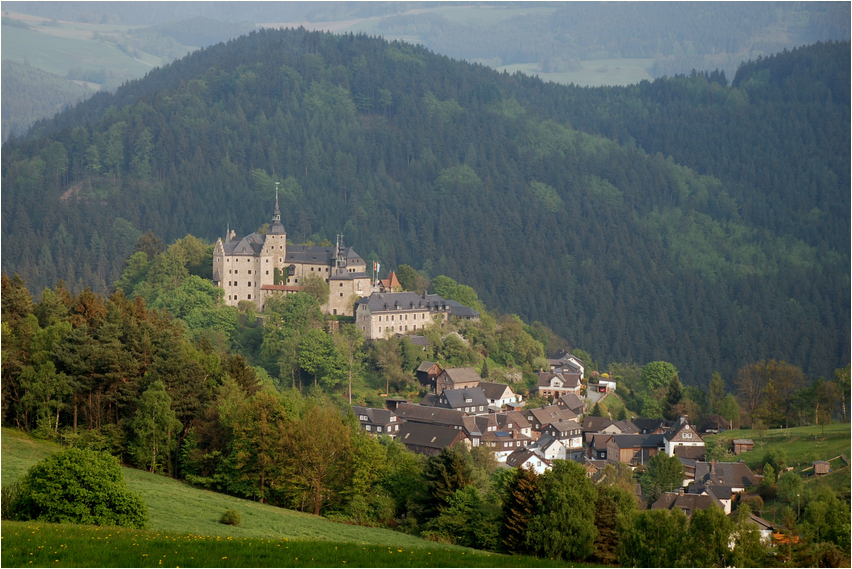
566, 426
521, 456
689, 503
638, 441
429, 436
485, 421
426, 366
546, 441
423, 414
573, 402
250, 245
569, 380
391, 282
735, 474
760, 522
690, 452
679, 426
648, 425
515, 417
549, 414
463, 374
496, 390
375, 416
467, 397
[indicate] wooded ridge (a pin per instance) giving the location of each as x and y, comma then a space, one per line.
683, 220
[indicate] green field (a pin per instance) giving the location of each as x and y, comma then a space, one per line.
184, 531
57, 54
594, 73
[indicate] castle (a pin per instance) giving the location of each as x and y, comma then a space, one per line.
246, 268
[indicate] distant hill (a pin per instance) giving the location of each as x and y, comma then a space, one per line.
682, 220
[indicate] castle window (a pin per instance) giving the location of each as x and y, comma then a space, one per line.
341, 284
341, 294
312, 269
249, 271
249, 297
267, 272
380, 328
235, 272
235, 283
230, 271
229, 283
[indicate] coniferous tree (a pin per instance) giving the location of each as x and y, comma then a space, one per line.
518, 507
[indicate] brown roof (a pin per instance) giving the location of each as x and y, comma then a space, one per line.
689, 503
429, 436
462, 374
494, 390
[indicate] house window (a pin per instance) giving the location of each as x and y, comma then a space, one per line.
368, 427
378, 429
687, 435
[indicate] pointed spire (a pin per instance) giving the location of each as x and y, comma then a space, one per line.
276, 214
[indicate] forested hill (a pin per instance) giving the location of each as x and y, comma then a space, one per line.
681, 220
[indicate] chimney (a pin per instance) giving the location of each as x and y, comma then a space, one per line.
680, 492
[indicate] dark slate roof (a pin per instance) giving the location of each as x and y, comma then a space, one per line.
417, 340
423, 414
376, 416
567, 426
382, 301
596, 424
545, 441
520, 456
689, 503
690, 452
736, 474
430, 400
716, 422
425, 366
638, 441
468, 397
648, 425
762, 524
679, 426
426, 435
485, 421
569, 380
250, 245
494, 390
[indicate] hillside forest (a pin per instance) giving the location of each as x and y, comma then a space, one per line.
162, 375
688, 220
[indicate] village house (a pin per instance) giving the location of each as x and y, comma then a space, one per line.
427, 374
765, 527
736, 475
451, 418
503, 443
525, 458
377, 421
471, 400
565, 362
457, 378
543, 416
246, 268
571, 402
499, 394
681, 434
430, 439
713, 424
549, 448
688, 503
651, 426
634, 449
383, 314
513, 421
556, 385
570, 434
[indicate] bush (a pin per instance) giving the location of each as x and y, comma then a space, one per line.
79, 486
231, 518
8, 495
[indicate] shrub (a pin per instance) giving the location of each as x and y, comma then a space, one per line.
8, 495
79, 486
231, 518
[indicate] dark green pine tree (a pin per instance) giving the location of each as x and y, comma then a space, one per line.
445, 473
674, 394
518, 507
485, 370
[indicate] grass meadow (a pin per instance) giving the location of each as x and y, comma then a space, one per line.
183, 530
593, 73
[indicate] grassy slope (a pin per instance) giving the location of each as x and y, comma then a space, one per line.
57, 55
184, 531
